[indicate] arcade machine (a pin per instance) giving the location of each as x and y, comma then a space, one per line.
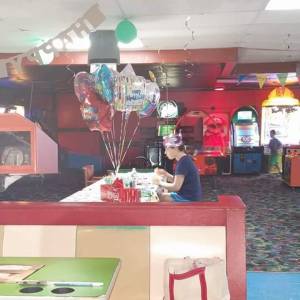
281, 112
24, 149
208, 135
291, 166
246, 154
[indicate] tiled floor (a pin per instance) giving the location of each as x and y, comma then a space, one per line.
272, 218
273, 286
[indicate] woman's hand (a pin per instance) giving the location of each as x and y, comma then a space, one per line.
160, 172
156, 179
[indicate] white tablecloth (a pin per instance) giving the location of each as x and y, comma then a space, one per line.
92, 193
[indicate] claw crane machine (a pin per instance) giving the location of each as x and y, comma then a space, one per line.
281, 112
247, 153
209, 134
25, 149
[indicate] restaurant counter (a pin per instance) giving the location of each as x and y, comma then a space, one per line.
227, 213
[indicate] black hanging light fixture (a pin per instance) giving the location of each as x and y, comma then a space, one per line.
104, 47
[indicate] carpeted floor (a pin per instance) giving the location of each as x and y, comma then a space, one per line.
272, 218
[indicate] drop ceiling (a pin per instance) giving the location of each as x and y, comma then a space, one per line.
261, 37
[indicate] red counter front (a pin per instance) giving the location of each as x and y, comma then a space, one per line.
229, 212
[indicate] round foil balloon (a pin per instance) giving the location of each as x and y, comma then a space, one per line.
167, 109
147, 110
106, 80
152, 92
104, 112
83, 85
89, 112
93, 125
152, 96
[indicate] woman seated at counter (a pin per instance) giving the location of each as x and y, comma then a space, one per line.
185, 185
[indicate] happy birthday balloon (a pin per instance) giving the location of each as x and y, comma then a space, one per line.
83, 85
126, 32
129, 93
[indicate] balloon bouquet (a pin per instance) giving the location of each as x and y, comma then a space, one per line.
110, 101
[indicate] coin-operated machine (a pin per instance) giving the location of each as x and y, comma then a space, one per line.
291, 165
246, 153
25, 149
208, 136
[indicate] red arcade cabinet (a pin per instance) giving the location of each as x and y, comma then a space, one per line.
209, 134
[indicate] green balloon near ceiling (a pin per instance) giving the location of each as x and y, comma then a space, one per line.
126, 32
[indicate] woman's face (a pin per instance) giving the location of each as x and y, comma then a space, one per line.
171, 152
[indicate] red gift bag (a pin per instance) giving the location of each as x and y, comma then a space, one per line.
112, 192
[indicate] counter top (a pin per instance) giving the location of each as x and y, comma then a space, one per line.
107, 213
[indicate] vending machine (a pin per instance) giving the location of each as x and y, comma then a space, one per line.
246, 152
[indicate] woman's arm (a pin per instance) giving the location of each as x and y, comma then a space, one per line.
161, 172
175, 186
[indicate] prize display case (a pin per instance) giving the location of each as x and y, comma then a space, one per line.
25, 148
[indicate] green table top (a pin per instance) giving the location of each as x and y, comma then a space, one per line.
65, 270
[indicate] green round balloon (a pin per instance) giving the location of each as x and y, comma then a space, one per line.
126, 32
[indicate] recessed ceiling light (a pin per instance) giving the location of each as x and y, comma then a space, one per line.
283, 5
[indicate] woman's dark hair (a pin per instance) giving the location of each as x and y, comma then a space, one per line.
181, 148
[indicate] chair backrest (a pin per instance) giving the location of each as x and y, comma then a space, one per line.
88, 173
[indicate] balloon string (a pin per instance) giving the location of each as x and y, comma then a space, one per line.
107, 150
122, 134
113, 133
119, 141
108, 145
129, 143
109, 138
